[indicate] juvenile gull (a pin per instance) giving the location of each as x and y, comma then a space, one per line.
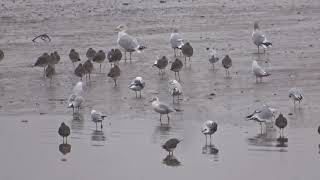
258, 71
187, 51
176, 41
99, 58
171, 144
91, 53
114, 73
227, 63
209, 128
76, 103
259, 38
74, 56
136, 85
114, 56
50, 72
127, 42
1, 55
213, 56
175, 89
79, 71
176, 67
296, 95
88, 68
43, 61
96, 117
161, 108
281, 123
161, 64
262, 115
64, 131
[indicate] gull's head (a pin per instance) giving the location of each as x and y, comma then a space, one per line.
256, 25
93, 111
173, 81
121, 27
153, 99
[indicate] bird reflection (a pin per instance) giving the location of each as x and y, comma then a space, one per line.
210, 149
98, 136
77, 122
64, 148
171, 160
266, 139
282, 142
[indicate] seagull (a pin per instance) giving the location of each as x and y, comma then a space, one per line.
99, 57
50, 71
88, 68
161, 64
176, 40
259, 38
43, 61
91, 53
137, 84
296, 95
76, 103
79, 71
97, 116
127, 42
171, 144
175, 89
176, 66
262, 115
161, 108
64, 131
1, 55
281, 123
114, 56
74, 56
258, 71
227, 63
213, 57
187, 51
114, 73
209, 128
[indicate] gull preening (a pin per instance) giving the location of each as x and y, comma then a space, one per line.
137, 85
176, 67
161, 64
281, 122
114, 56
79, 71
97, 117
171, 145
259, 38
187, 51
91, 53
296, 95
213, 56
209, 128
265, 114
175, 89
258, 71
99, 57
227, 63
114, 73
74, 56
176, 41
161, 108
128, 43
64, 132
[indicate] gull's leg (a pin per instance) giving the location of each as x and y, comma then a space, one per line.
206, 139
160, 119
101, 125
168, 118
179, 76
130, 56
140, 94
125, 56
100, 68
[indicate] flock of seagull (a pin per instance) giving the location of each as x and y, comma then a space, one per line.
130, 44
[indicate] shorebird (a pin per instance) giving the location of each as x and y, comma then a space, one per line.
187, 51
54, 58
88, 68
90, 53
76, 103
50, 72
227, 63
175, 89
209, 128
281, 123
296, 95
213, 57
128, 43
265, 114
176, 67
161, 108
176, 41
136, 85
259, 38
74, 56
114, 73
114, 56
161, 64
96, 117
42, 61
258, 71
171, 144
79, 71
1, 55
64, 131
99, 58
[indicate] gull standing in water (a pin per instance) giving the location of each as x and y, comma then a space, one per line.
227, 63
209, 128
213, 56
187, 51
74, 56
76, 103
296, 95
281, 123
96, 117
99, 57
91, 53
64, 131
171, 144
262, 115
114, 73
258, 71
79, 71
161, 64
43, 61
161, 108
176, 67
175, 89
136, 85
176, 41
128, 43
114, 56
259, 38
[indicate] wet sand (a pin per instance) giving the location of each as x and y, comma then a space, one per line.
130, 144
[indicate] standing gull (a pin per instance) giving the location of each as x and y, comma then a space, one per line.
99, 57
175, 89
127, 42
262, 115
161, 64
96, 117
171, 144
259, 38
88, 68
79, 71
176, 41
176, 66
114, 56
187, 51
76, 103
74, 56
281, 123
91, 53
114, 73
136, 85
213, 57
64, 131
227, 63
209, 128
161, 108
43, 61
296, 95
258, 71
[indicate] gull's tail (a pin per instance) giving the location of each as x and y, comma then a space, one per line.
266, 44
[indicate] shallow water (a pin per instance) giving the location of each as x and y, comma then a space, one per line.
129, 146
